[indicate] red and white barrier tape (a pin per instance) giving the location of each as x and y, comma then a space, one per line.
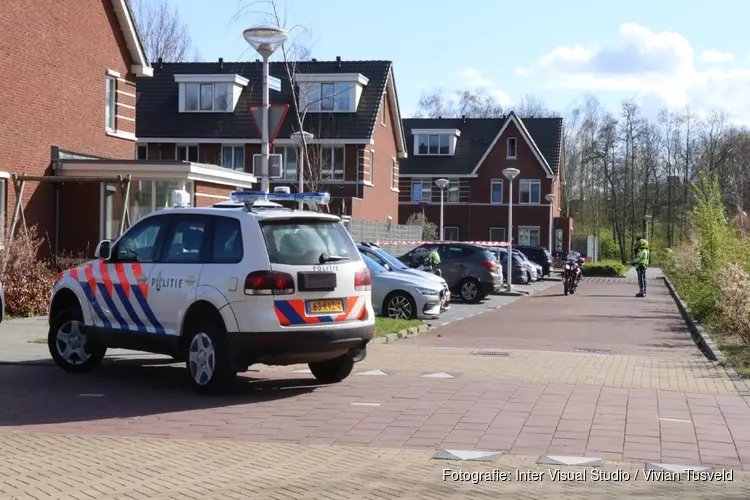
484, 243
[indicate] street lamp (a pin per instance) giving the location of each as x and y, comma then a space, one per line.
301, 140
510, 174
442, 184
551, 199
265, 39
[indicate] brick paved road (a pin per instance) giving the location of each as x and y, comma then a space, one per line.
75, 468
603, 314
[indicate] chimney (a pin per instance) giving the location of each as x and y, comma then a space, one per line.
338, 62
221, 64
440, 118
314, 60
160, 63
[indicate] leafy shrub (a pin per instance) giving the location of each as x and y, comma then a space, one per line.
733, 309
27, 280
608, 268
429, 229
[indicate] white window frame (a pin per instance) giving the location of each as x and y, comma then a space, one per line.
187, 152
440, 138
514, 141
458, 234
234, 148
497, 229
530, 228
331, 174
493, 183
526, 184
110, 110
371, 167
312, 97
394, 180
421, 192
214, 109
282, 150
137, 149
453, 187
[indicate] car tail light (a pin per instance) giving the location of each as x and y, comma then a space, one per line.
269, 283
489, 264
362, 280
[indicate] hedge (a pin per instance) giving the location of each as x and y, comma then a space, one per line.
608, 268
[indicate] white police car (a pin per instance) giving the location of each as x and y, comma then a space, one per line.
221, 288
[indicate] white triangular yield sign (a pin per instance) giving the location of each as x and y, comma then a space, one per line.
373, 372
438, 375
276, 114
471, 455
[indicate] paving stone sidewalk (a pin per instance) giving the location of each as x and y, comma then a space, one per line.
38, 466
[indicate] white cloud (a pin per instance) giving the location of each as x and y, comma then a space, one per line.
655, 66
475, 80
716, 57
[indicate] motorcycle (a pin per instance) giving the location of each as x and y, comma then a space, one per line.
571, 275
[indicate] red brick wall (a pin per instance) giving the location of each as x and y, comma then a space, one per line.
54, 59
212, 190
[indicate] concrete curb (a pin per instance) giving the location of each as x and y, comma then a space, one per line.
703, 340
410, 332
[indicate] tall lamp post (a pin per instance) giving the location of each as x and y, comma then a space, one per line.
551, 199
301, 140
510, 174
265, 39
442, 184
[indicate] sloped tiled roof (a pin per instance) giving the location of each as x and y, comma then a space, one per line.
158, 114
477, 135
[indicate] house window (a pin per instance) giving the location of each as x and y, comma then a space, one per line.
433, 144
327, 96
530, 191
111, 108
496, 191
187, 153
141, 152
497, 234
394, 174
512, 148
450, 233
528, 236
288, 161
371, 167
421, 191
332, 163
207, 96
558, 240
453, 191
233, 157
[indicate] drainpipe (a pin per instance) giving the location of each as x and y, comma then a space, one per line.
56, 241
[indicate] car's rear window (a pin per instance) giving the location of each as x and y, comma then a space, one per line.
303, 242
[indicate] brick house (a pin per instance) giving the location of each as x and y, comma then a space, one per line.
71, 116
471, 154
199, 112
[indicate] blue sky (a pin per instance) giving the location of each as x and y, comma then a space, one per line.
663, 52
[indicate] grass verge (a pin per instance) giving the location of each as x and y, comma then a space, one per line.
38, 341
736, 352
384, 326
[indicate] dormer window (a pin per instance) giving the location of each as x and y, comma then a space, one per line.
334, 93
435, 142
209, 93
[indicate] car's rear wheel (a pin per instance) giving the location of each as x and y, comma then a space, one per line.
471, 291
332, 371
400, 305
208, 359
70, 346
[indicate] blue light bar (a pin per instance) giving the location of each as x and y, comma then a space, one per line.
253, 196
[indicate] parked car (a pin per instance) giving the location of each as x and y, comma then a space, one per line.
403, 296
537, 255
520, 271
471, 271
393, 264
534, 269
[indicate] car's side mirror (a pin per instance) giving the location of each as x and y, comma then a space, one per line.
104, 250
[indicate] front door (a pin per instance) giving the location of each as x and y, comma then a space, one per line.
121, 290
174, 279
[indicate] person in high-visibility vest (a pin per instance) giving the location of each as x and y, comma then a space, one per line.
641, 264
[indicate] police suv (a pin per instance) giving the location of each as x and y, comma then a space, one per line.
244, 282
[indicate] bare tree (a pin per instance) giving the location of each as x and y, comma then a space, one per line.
163, 34
438, 104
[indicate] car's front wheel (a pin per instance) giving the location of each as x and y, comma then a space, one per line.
70, 346
400, 306
332, 371
208, 359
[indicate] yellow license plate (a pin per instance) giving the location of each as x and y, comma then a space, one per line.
326, 306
